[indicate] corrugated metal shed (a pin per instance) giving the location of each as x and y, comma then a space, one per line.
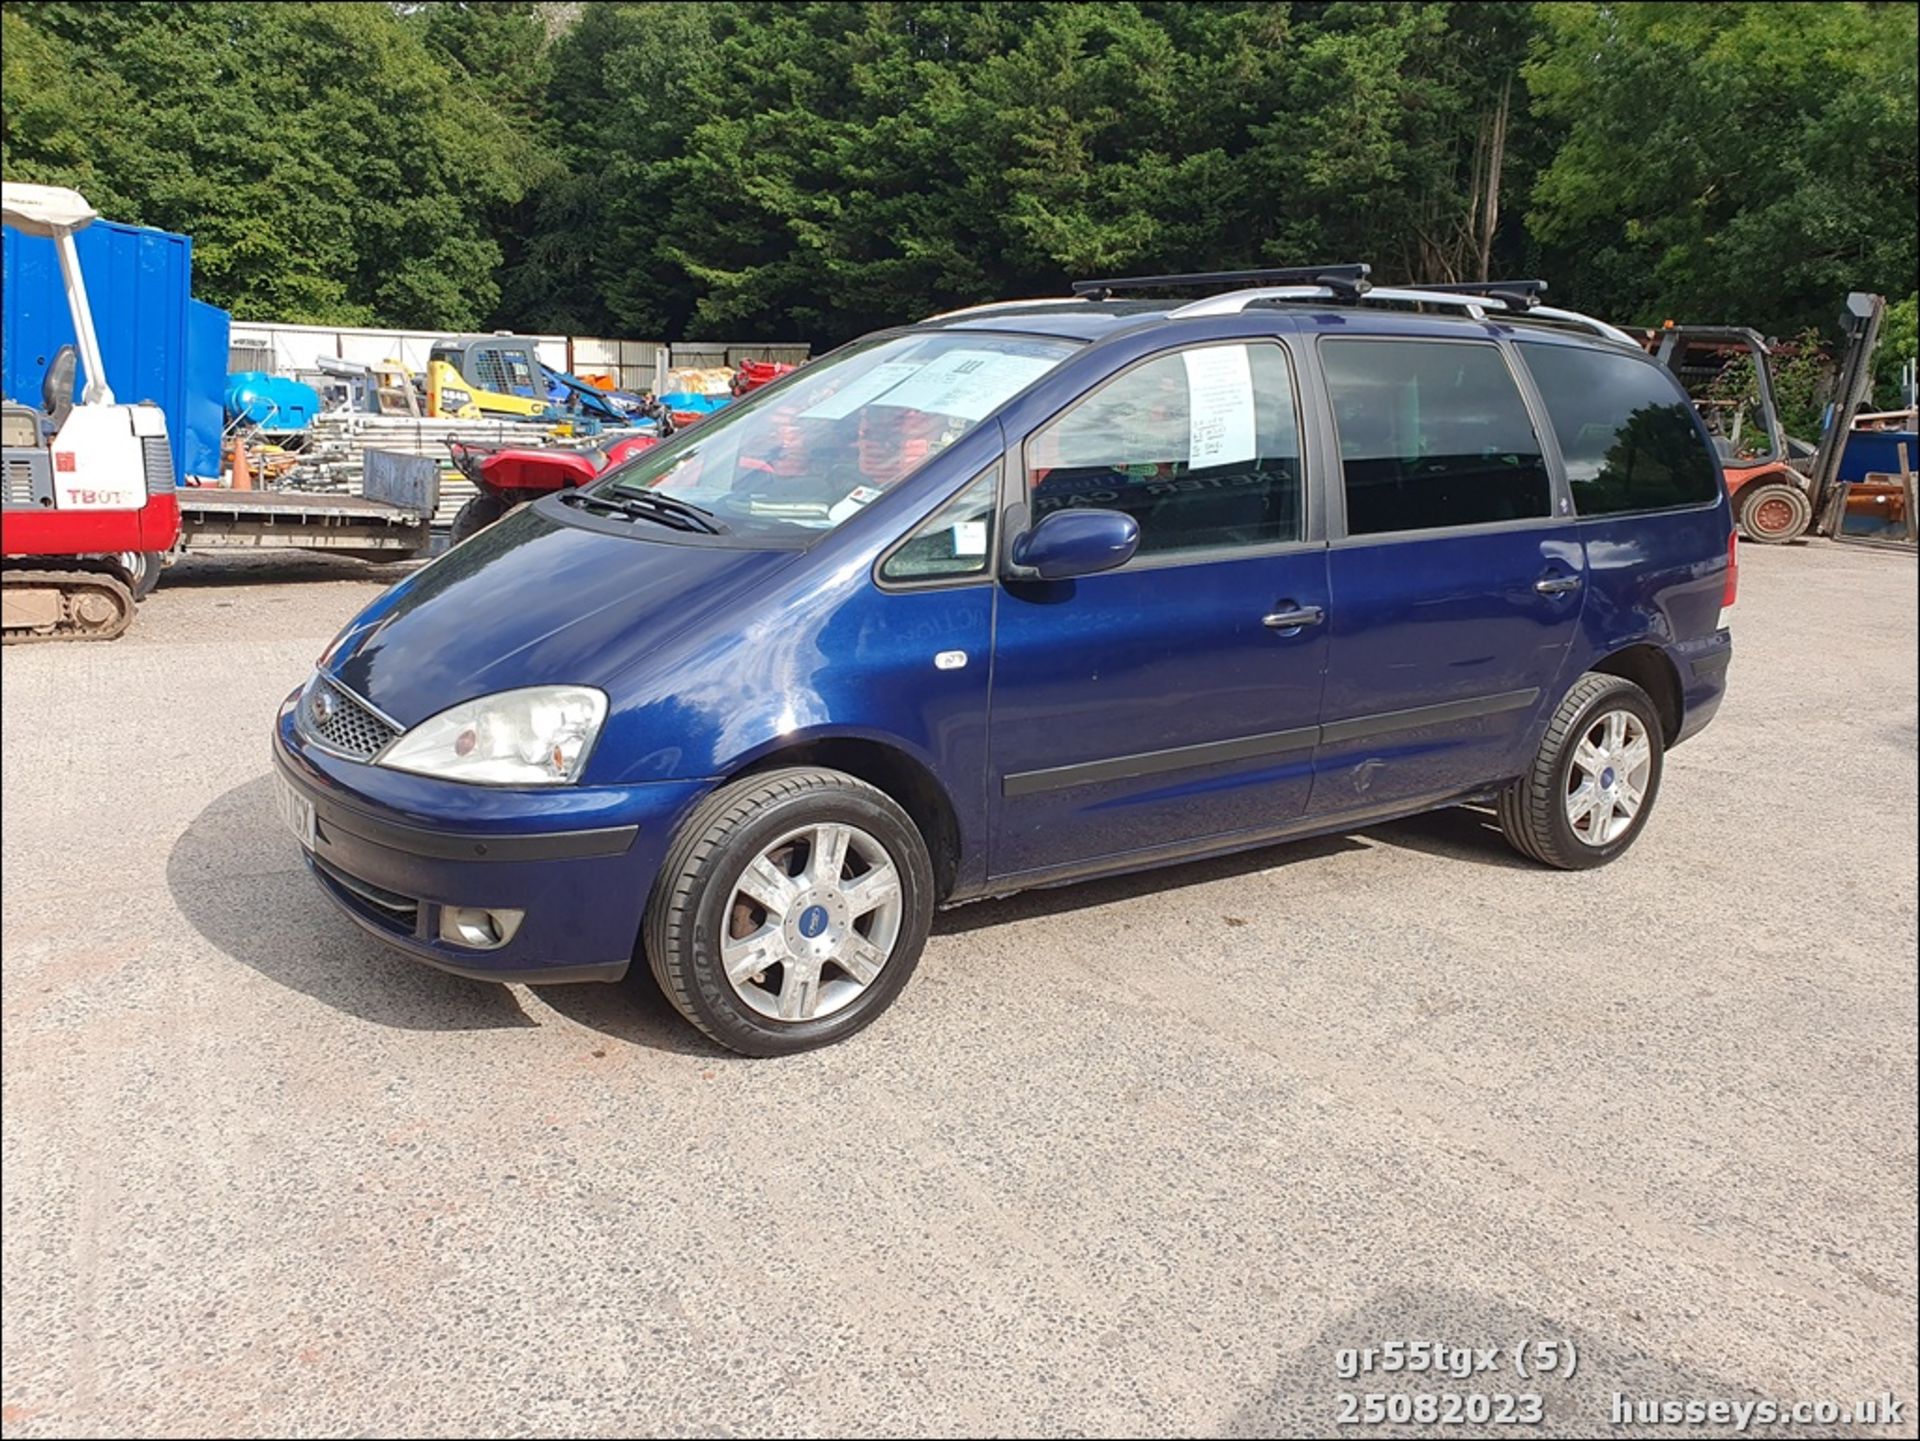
156, 344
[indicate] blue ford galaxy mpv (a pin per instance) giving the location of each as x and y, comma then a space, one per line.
1016, 596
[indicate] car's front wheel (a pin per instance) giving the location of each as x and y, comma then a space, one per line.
1593, 781
790, 910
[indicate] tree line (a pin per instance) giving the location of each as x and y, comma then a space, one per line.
811, 171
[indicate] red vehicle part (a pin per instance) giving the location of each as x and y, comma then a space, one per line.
1770, 500
753, 374
154, 527
510, 476
65, 579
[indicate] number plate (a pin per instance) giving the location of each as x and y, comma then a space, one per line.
297, 811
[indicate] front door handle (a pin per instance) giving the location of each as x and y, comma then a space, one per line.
1293, 617
1557, 584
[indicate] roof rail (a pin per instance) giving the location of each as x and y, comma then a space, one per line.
1470, 300
1584, 322
998, 305
1347, 279
1237, 300
1518, 294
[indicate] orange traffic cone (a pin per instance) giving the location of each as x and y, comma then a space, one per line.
242, 472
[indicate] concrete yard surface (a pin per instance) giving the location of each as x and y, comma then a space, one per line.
1145, 1155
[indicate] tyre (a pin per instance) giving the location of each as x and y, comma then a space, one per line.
1775, 513
790, 910
477, 514
143, 569
1593, 781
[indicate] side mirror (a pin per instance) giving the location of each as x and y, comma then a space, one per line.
1076, 542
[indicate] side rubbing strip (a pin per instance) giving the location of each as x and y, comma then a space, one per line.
1363, 726
1148, 763
1273, 743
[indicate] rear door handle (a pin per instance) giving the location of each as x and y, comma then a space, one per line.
1294, 618
1557, 584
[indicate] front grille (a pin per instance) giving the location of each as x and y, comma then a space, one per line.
339, 720
158, 460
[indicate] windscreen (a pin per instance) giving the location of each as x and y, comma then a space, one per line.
813, 451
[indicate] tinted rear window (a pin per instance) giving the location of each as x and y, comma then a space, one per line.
1629, 439
1432, 434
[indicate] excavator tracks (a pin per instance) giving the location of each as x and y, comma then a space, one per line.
71, 604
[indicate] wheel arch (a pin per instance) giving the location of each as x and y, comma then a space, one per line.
902, 776
1648, 666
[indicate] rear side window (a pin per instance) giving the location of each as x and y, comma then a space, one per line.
1200, 447
1629, 440
1432, 434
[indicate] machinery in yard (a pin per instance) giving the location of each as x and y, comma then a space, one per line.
508, 476
502, 377
89, 508
1778, 496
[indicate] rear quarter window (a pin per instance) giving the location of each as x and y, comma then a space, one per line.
1627, 435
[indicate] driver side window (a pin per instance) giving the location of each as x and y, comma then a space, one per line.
1200, 447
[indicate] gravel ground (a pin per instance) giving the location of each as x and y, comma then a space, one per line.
1145, 1155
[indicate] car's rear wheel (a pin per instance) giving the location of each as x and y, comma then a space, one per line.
790, 911
1593, 781
1775, 513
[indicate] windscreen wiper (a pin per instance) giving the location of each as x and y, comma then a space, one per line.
668, 510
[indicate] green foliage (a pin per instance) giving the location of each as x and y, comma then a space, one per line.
329, 161
1899, 343
816, 170
1744, 163
1802, 383
813, 170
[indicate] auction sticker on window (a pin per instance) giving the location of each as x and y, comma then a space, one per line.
1220, 406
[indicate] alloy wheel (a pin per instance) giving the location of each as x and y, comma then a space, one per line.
811, 922
1607, 782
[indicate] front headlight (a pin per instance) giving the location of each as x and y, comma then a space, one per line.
539, 736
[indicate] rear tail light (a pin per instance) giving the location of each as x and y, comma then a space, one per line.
1732, 591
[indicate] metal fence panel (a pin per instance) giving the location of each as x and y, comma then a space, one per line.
635, 364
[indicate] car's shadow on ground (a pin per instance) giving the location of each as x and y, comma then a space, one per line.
1458, 833
236, 877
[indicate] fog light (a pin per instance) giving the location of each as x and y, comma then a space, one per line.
478, 928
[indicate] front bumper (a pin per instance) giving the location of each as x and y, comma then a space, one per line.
392, 849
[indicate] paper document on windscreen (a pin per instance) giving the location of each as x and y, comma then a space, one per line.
856, 393
967, 384
1220, 406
